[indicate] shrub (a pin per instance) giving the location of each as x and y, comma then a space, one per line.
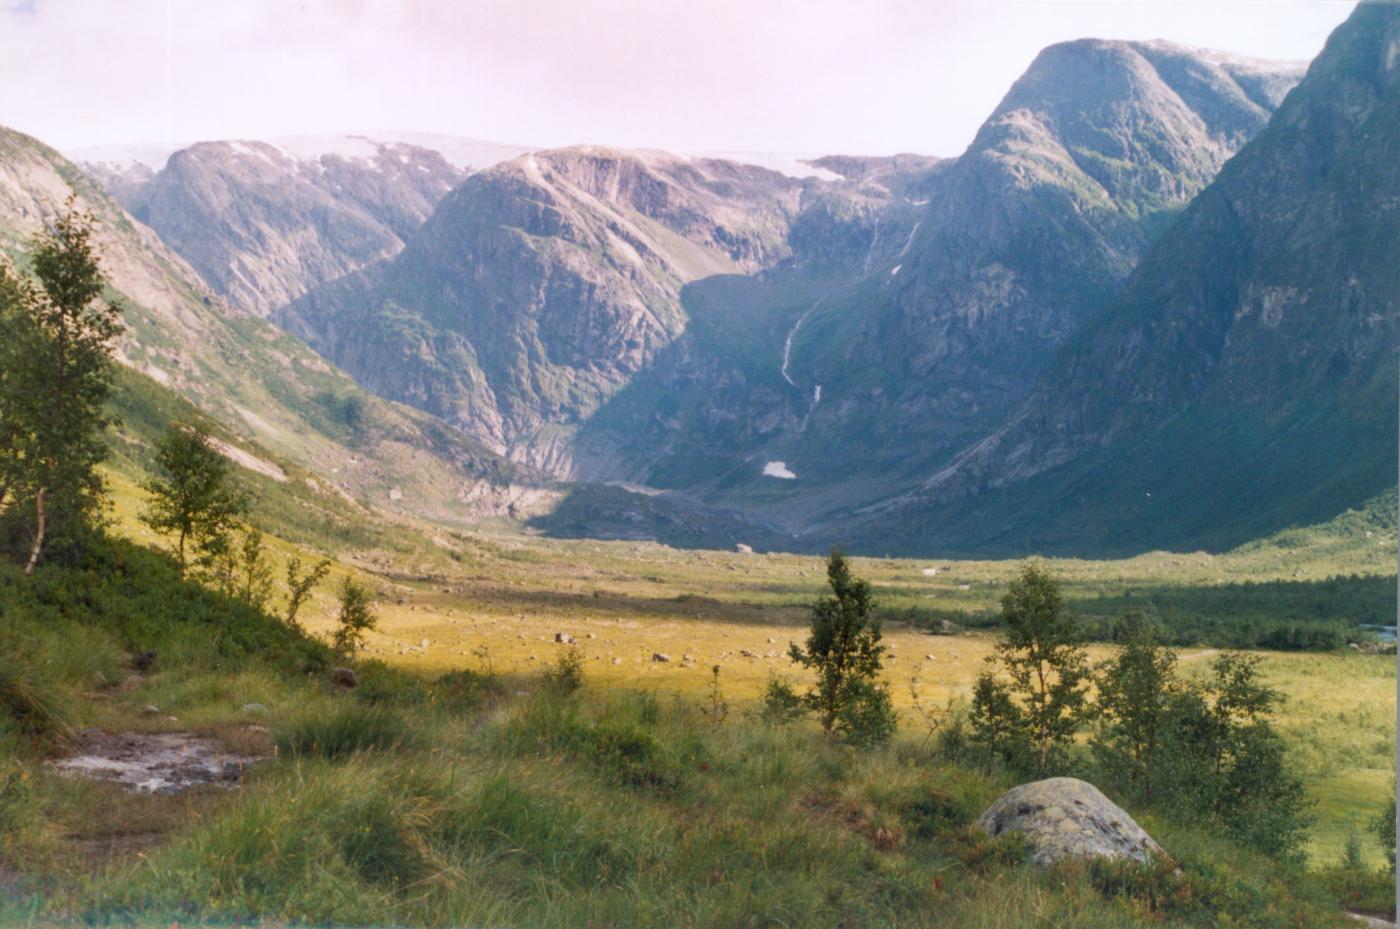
633, 756
844, 650
781, 703
567, 674
1042, 702
354, 619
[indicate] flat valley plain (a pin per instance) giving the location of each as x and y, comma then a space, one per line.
499, 599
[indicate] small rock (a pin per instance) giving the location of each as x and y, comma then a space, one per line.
771, 640
1064, 817
748, 654
143, 661
150, 709
687, 657
254, 709
617, 661
743, 549
345, 677
660, 657
563, 638
928, 658
424, 644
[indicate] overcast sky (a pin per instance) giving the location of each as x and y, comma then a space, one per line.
805, 76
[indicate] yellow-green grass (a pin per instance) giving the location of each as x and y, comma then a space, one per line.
497, 599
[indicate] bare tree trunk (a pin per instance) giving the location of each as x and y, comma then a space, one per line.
39, 526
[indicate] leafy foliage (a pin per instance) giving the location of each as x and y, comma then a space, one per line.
1042, 702
58, 341
194, 498
1135, 692
844, 650
354, 618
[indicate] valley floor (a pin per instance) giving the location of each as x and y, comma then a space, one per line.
624, 604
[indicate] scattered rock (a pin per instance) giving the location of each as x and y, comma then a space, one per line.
563, 638
254, 709
424, 644
150, 709
345, 677
748, 654
687, 657
660, 657
1064, 817
617, 661
929, 572
743, 549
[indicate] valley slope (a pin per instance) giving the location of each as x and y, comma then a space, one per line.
1245, 379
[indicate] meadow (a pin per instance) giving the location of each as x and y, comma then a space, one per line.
494, 599
459, 786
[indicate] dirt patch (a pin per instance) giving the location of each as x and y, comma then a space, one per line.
158, 763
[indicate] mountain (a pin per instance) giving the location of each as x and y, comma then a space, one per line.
262, 225
1245, 378
539, 287
794, 352
879, 357
269, 390
263, 222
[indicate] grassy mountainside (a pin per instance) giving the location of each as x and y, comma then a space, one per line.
263, 385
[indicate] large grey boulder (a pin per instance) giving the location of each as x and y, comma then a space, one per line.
1064, 817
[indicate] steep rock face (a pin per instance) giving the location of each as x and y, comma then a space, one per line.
262, 384
541, 286
1083, 163
263, 226
923, 298
1245, 378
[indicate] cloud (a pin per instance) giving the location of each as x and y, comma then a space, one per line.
780, 75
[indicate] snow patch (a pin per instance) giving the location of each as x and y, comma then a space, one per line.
895, 270
778, 469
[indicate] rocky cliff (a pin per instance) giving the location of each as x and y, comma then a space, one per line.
1245, 377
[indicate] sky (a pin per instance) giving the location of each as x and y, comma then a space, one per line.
799, 76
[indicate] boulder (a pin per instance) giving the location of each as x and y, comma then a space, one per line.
660, 657
1064, 817
563, 638
345, 677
